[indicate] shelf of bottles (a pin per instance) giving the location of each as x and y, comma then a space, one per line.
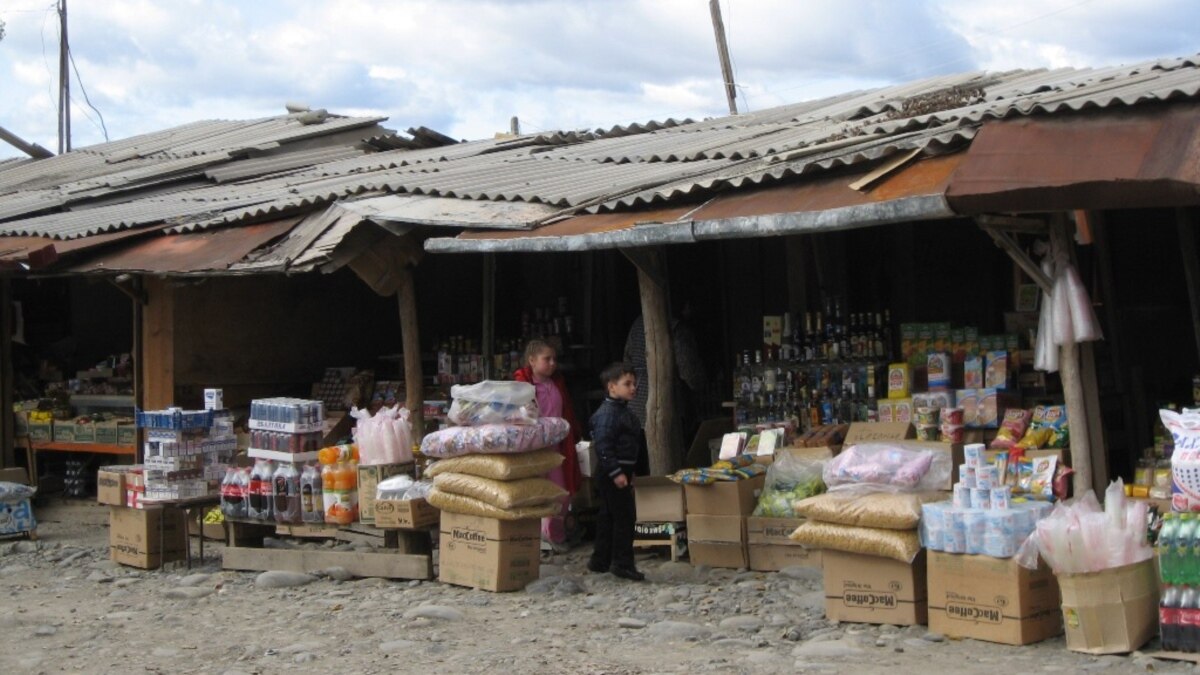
827, 371
460, 360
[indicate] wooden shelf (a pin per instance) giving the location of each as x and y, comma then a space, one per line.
97, 448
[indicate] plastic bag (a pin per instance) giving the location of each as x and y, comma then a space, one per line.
886, 510
1012, 429
495, 438
418, 490
1185, 460
393, 488
500, 467
902, 545
383, 438
452, 503
493, 402
501, 494
15, 492
1080, 537
888, 467
789, 479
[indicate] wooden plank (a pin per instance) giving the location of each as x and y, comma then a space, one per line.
1072, 380
158, 344
410, 338
662, 419
1095, 423
384, 565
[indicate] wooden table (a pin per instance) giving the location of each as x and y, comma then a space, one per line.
187, 505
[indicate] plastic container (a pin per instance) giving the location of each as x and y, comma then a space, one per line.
233, 493
312, 501
285, 493
259, 492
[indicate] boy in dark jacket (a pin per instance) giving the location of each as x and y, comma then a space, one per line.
615, 432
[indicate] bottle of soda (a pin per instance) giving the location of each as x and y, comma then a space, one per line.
311, 501
1188, 634
1185, 569
1165, 548
285, 493
1168, 618
233, 497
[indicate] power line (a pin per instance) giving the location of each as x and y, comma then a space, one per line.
79, 79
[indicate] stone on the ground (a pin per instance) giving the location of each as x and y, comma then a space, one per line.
933, 637
281, 579
338, 573
438, 612
45, 631
679, 630
187, 593
743, 622
827, 649
194, 579
397, 646
630, 622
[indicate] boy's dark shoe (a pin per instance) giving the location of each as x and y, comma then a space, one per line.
630, 573
594, 567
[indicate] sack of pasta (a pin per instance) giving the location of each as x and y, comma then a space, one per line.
468, 506
886, 510
500, 467
504, 494
789, 480
902, 545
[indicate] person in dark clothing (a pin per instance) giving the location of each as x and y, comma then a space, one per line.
615, 440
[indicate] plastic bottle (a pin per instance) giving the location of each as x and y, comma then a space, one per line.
312, 502
1165, 548
329, 496
1169, 618
1188, 634
233, 495
285, 493
260, 490
1185, 568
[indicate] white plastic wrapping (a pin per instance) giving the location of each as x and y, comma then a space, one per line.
1079, 536
888, 467
493, 402
383, 438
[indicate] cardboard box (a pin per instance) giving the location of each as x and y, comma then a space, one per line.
64, 431
106, 432
869, 589
494, 555
865, 432
85, 432
992, 599
770, 548
17, 517
823, 452
14, 474
41, 432
126, 434
369, 478
110, 486
1110, 612
732, 498
135, 537
717, 541
405, 514
659, 500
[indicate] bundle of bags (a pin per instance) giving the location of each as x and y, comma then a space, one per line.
1081, 536
874, 499
789, 480
494, 463
383, 438
738, 467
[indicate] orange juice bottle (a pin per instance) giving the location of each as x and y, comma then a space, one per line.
329, 495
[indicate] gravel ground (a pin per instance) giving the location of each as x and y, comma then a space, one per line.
69, 609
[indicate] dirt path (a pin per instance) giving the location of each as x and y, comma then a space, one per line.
69, 609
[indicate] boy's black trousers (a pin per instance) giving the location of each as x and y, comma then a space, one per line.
614, 524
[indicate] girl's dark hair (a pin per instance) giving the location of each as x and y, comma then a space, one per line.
615, 370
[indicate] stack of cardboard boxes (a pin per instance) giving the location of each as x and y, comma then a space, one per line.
661, 514
716, 521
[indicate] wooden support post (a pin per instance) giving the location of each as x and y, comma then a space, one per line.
1072, 381
9, 456
662, 420
1185, 224
410, 336
139, 388
158, 344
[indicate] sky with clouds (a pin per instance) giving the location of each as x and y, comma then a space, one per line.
464, 67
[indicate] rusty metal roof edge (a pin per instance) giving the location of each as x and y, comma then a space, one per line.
651, 234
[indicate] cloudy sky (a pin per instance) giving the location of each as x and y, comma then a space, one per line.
464, 67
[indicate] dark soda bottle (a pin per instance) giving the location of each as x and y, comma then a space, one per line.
1168, 618
1188, 634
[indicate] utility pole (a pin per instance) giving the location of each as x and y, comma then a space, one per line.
714, 7
64, 82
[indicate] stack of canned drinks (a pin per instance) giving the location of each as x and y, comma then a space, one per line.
981, 518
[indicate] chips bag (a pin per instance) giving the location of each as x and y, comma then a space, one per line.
1012, 429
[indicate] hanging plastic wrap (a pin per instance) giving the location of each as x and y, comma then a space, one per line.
495, 438
1080, 536
1067, 315
493, 402
500, 467
383, 438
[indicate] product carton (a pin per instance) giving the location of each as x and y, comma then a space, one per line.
486, 553
110, 485
724, 498
140, 538
717, 541
126, 433
106, 432
64, 431
771, 549
992, 599
869, 432
1110, 612
405, 514
659, 500
84, 431
869, 589
41, 432
369, 478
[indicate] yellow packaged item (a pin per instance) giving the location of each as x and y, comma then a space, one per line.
498, 493
902, 545
452, 503
899, 380
500, 467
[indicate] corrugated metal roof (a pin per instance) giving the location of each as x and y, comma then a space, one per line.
151, 179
